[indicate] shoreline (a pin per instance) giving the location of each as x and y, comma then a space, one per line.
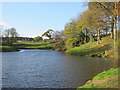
106, 79
88, 84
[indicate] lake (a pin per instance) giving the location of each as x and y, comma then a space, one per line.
30, 68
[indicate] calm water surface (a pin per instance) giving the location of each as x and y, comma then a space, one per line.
49, 69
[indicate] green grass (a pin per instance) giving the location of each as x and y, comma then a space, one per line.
27, 45
104, 49
110, 78
34, 45
7, 49
107, 74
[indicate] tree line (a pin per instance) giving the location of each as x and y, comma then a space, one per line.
99, 19
9, 36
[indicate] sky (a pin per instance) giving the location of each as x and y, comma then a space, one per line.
34, 18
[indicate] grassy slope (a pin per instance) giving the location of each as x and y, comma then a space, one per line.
104, 49
34, 45
7, 49
106, 79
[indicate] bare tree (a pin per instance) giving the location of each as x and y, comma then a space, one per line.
10, 36
57, 35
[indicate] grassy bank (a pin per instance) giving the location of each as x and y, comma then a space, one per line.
27, 45
106, 48
8, 49
34, 45
106, 79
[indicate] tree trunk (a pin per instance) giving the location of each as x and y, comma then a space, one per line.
115, 20
112, 29
115, 28
106, 32
86, 33
98, 37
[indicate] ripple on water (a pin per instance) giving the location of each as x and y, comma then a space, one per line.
49, 69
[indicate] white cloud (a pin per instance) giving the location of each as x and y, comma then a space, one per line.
4, 24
